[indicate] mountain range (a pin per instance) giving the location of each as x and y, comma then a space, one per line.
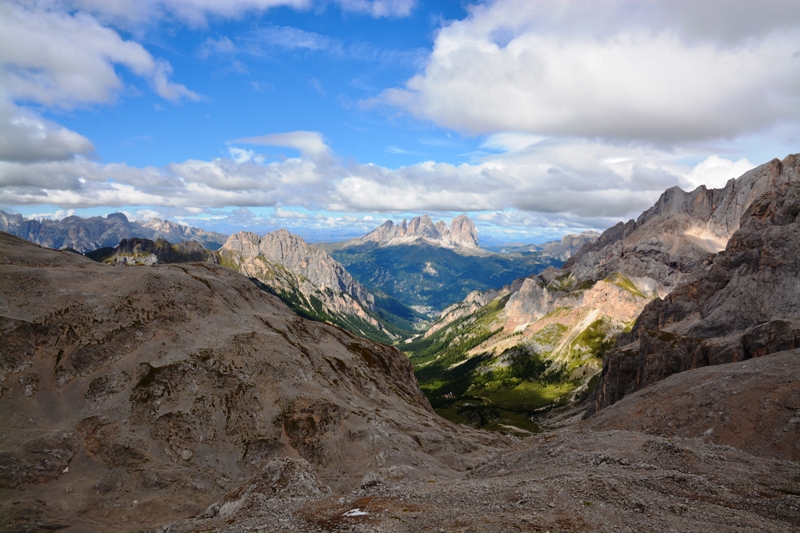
429, 266
89, 234
461, 235
307, 279
134, 396
182, 396
546, 336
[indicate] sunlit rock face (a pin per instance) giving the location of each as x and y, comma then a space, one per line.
461, 234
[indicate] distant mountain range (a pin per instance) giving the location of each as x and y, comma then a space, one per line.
562, 249
89, 234
431, 266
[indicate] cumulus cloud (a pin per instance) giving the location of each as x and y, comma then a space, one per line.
25, 136
663, 72
196, 12
64, 59
310, 143
571, 182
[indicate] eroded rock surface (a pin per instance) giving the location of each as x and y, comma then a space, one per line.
160, 389
744, 304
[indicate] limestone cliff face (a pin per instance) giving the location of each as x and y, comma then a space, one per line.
88, 234
679, 234
461, 235
746, 303
308, 278
292, 252
147, 394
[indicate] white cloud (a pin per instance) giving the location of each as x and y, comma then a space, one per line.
617, 70
715, 171
196, 12
569, 182
168, 89
26, 136
310, 143
380, 8
63, 59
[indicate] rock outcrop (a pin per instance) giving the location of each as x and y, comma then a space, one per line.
678, 235
88, 234
136, 396
461, 235
138, 251
602, 289
744, 304
292, 252
308, 279
752, 405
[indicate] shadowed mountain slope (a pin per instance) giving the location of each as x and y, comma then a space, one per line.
745, 304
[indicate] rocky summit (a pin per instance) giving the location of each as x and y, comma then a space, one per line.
308, 279
136, 396
461, 235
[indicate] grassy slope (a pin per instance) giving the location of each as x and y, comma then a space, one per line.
495, 391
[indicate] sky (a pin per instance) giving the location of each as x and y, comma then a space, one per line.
327, 117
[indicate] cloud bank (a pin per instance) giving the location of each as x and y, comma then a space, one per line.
584, 181
658, 72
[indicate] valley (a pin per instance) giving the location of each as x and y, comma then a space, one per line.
642, 379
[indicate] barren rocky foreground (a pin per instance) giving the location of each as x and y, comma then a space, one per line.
183, 398
666, 459
132, 396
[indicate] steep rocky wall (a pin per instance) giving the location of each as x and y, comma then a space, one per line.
745, 304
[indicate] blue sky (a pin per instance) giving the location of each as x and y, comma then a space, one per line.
535, 118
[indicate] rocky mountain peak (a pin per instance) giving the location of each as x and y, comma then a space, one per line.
461, 234
680, 232
293, 253
463, 230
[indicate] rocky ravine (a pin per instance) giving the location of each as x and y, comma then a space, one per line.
133, 396
745, 304
88, 234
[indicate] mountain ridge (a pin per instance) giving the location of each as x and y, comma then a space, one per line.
461, 235
89, 234
567, 319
